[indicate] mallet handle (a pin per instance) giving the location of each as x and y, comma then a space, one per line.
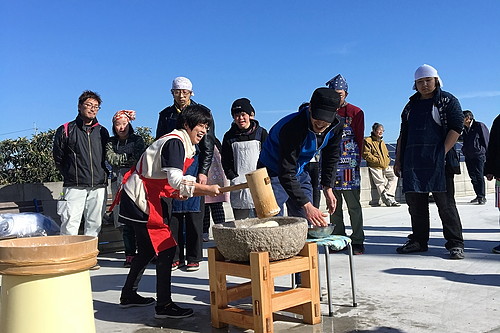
233, 187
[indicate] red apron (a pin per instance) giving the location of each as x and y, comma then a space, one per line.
159, 233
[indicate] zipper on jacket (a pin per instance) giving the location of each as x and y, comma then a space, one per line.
91, 162
76, 168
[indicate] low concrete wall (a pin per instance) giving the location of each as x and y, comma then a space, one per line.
463, 187
48, 193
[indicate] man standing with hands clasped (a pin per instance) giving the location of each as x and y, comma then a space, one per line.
431, 123
79, 154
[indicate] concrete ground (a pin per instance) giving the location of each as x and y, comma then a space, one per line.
423, 292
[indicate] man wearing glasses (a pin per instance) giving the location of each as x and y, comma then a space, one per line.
189, 213
79, 154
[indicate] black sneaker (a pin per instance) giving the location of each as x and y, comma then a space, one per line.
457, 253
474, 200
496, 249
135, 300
171, 310
358, 249
481, 201
411, 246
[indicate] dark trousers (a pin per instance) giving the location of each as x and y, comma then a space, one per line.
129, 241
352, 198
187, 229
418, 207
475, 168
216, 209
144, 255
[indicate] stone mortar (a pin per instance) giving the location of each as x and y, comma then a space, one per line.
235, 240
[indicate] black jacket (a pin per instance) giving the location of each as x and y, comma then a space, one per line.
492, 165
166, 123
80, 155
475, 140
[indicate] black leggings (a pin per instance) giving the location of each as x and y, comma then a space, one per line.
144, 255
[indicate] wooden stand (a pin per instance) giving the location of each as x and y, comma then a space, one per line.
303, 300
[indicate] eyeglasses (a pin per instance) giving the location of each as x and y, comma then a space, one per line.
178, 92
91, 106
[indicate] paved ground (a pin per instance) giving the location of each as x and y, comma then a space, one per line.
396, 293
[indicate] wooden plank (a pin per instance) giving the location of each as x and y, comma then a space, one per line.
312, 310
237, 317
234, 269
290, 298
289, 266
240, 291
262, 289
218, 293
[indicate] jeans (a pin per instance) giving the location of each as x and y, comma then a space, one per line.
77, 201
475, 168
418, 207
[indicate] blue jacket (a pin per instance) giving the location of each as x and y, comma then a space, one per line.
290, 146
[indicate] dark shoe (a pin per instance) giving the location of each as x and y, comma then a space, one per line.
411, 246
496, 249
358, 249
128, 261
457, 253
192, 266
171, 310
481, 201
474, 200
394, 203
135, 300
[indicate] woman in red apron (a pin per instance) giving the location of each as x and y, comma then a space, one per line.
160, 174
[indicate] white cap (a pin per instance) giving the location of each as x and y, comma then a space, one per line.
426, 71
182, 82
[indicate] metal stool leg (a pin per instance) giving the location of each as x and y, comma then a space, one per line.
353, 285
328, 283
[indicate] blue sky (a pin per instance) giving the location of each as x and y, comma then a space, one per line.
273, 52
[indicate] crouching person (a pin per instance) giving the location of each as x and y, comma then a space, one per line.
159, 174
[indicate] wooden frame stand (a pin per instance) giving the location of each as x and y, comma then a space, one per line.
265, 300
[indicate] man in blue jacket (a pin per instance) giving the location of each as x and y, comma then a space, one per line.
292, 143
475, 143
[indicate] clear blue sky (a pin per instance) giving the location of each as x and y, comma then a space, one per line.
273, 52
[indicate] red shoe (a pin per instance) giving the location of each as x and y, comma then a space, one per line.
175, 265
